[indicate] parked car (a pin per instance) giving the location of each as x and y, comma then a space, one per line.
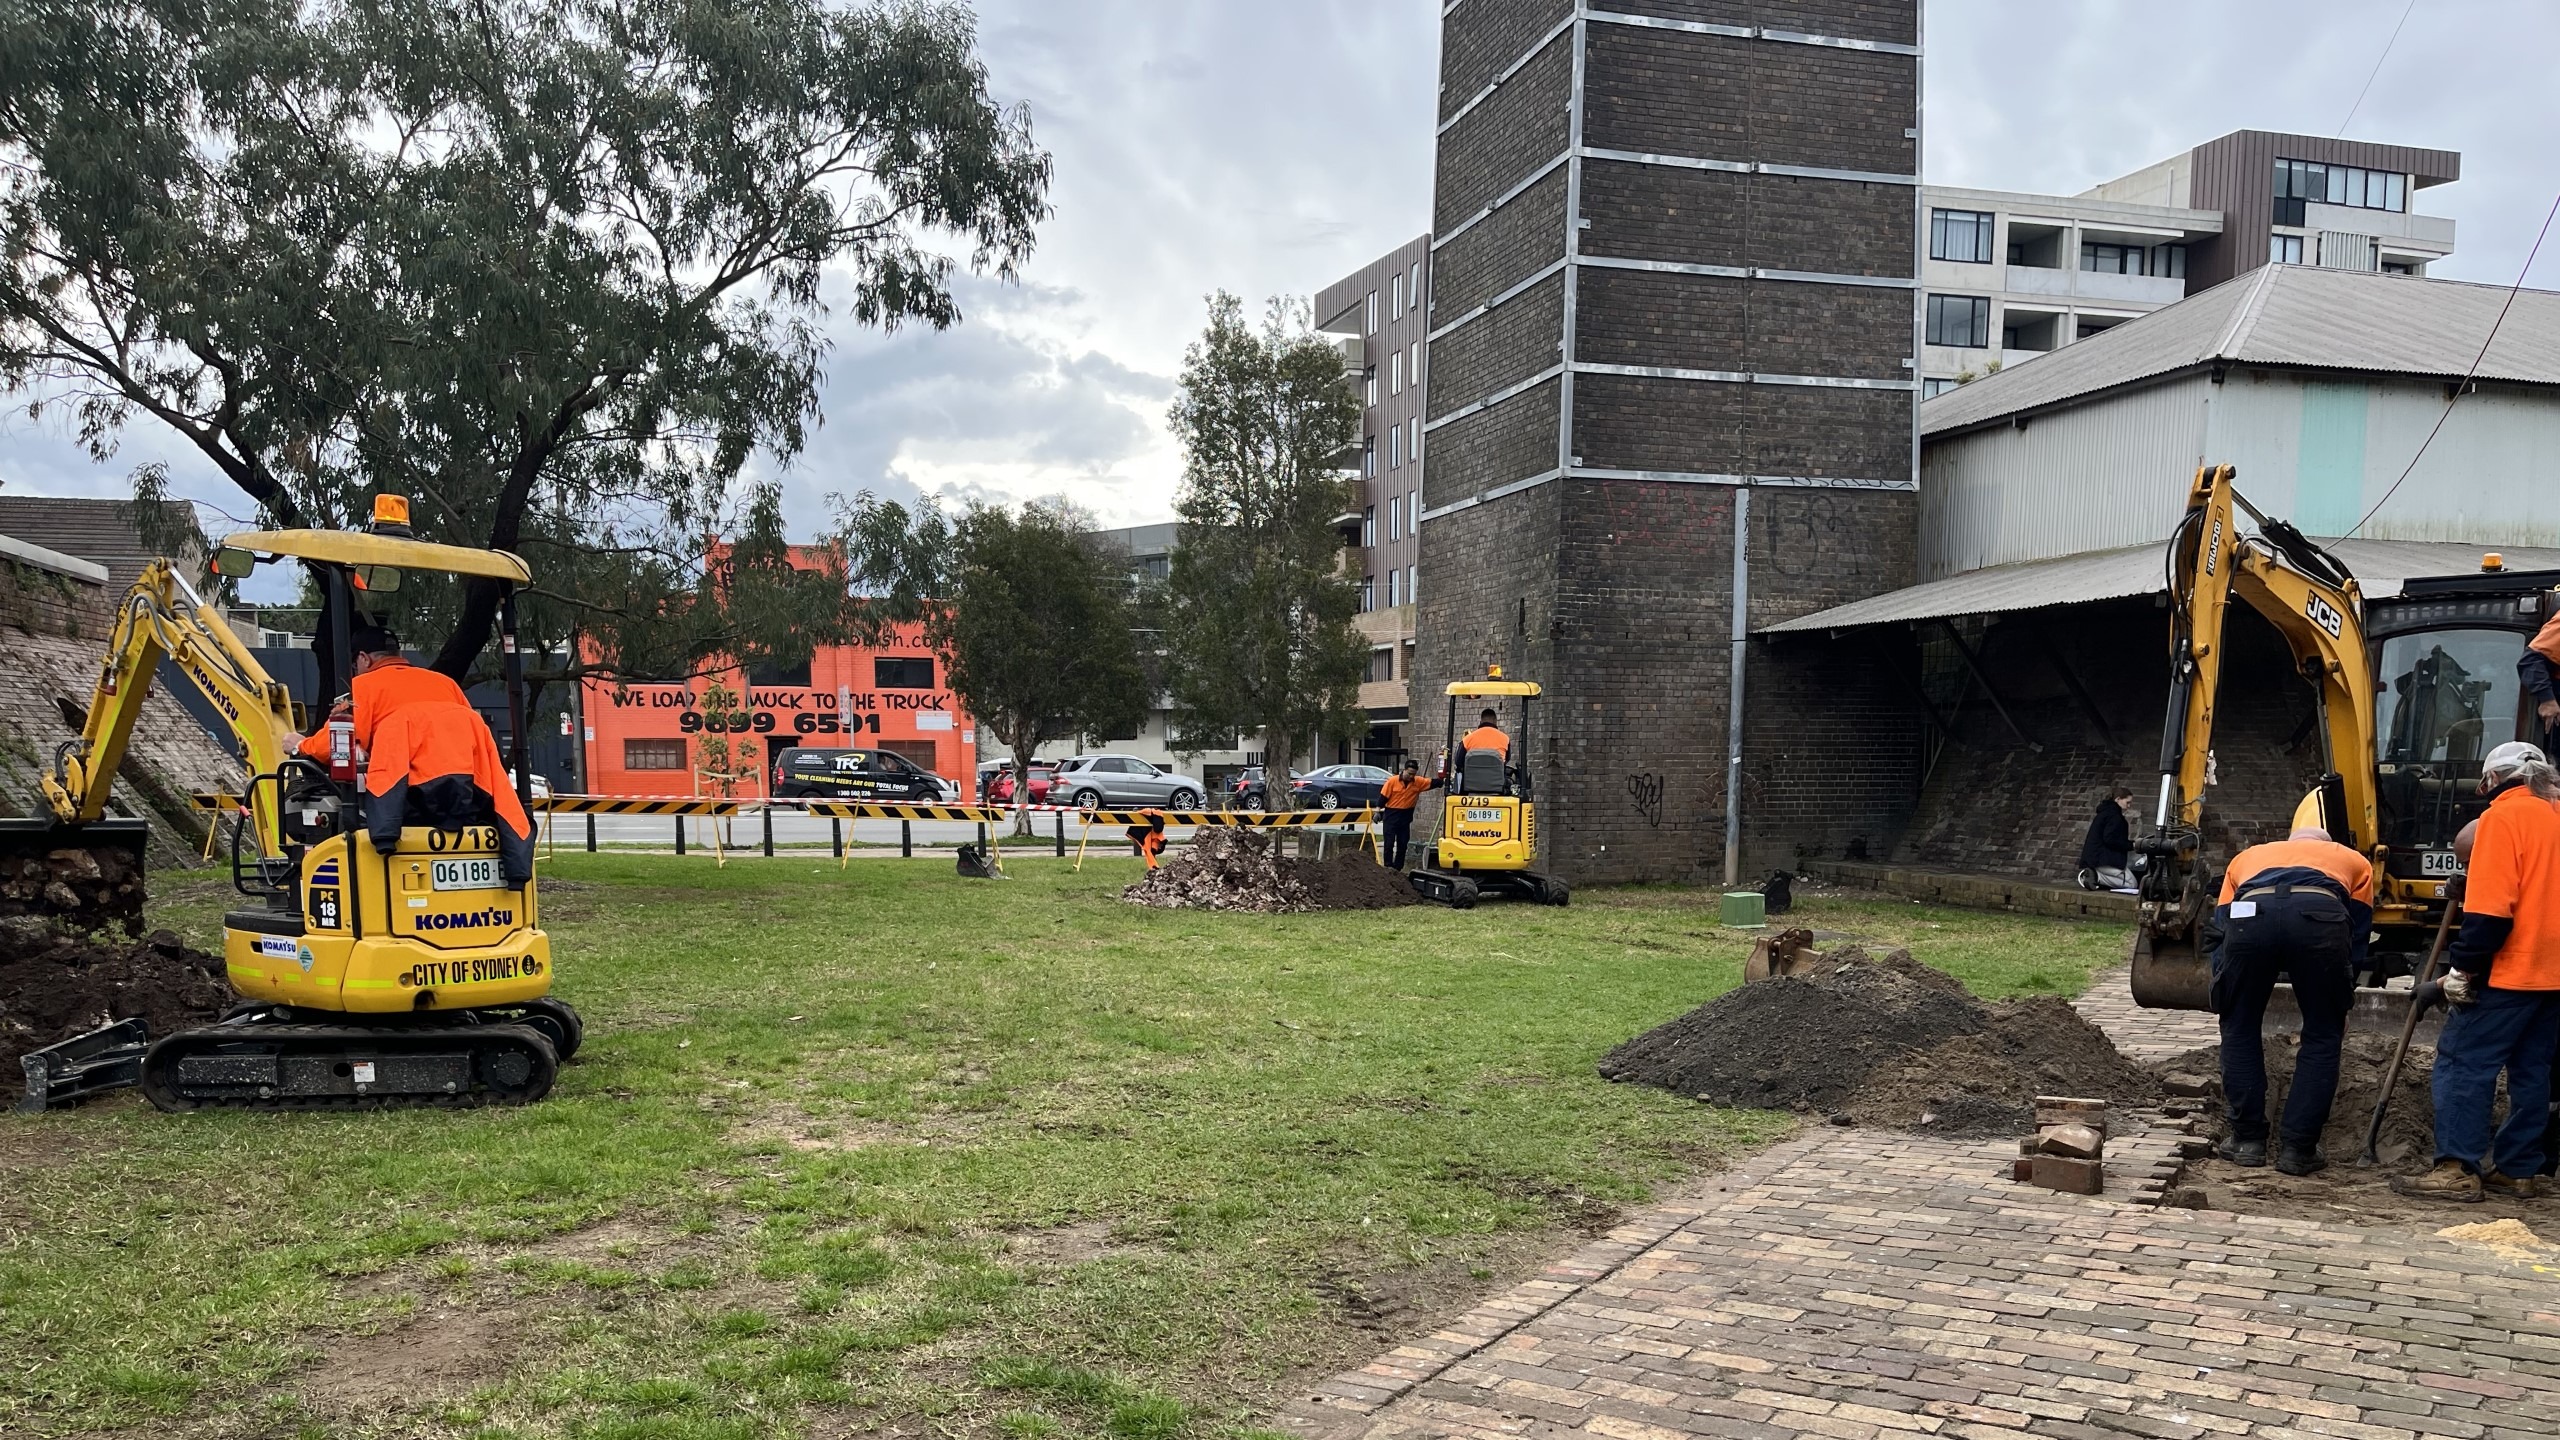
806, 772
541, 788
1338, 787
1246, 792
1125, 780
1043, 780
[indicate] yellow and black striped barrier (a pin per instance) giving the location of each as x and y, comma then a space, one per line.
1365, 818
628, 805
869, 810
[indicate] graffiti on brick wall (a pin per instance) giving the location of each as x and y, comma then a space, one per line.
1644, 789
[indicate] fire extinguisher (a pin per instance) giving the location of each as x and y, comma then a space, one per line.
342, 748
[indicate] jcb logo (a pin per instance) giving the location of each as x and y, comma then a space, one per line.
2325, 615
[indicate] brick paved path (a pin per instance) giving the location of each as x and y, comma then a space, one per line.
1862, 1284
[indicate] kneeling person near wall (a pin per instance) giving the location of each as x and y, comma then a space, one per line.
2502, 978
2302, 908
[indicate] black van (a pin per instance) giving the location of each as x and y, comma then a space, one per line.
804, 772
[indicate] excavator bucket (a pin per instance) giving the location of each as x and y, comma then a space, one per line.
88, 875
2169, 971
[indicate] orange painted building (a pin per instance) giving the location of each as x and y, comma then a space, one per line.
647, 739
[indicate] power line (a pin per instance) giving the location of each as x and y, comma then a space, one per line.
2458, 390
2377, 68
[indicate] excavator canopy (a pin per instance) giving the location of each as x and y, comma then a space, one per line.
356, 548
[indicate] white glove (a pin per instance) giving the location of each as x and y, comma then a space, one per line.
2459, 988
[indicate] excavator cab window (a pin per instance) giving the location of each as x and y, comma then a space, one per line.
2443, 698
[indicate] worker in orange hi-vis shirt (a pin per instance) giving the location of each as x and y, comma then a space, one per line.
1487, 736
1148, 835
1397, 798
2300, 907
2539, 668
429, 758
2502, 977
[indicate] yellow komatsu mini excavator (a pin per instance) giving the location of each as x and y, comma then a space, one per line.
416, 977
1489, 814
2409, 692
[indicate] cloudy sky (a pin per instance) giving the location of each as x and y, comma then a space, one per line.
1268, 148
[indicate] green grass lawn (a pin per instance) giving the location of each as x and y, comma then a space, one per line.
879, 1147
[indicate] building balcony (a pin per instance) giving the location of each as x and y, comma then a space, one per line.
2101, 285
2421, 234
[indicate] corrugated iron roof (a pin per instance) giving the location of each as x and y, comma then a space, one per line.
2381, 567
2284, 315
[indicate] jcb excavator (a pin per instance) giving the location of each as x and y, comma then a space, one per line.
417, 977
2409, 693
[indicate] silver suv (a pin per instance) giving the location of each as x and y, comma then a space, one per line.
1089, 781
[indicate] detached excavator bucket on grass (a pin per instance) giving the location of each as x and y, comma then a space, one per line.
89, 876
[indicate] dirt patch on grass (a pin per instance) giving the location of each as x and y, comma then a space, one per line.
443, 1351
57, 983
1070, 1244
1245, 870
807, 1133
1884, 1041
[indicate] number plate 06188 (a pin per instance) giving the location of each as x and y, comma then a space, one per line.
479, 874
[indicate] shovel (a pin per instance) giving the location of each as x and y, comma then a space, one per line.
2418, 999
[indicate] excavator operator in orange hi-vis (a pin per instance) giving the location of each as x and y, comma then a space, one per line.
1488, 736
429, 757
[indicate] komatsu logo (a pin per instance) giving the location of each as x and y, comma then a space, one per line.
467, 920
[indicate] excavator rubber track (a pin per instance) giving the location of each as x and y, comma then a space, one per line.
253, 1061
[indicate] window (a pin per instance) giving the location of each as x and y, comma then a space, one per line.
2284, 249
1935, 387
1369, 381
2299, 183
1414, 447
1413, 507
1395, 588
1960, 235
1395, 298
1369, 526
1395, 373
1961, 320
2169, 261
1382, 664
652, 754
1373, 317
1413, 285
1395, 447
2398, 267
796, 676
1413, 364
902, 674
1369, 457
1411, 574
1368, 590
2113, 259
1395, 517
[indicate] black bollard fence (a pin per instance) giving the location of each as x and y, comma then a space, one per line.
906, 839
591, 832
835, 828
679, 834
768, 830
1061, 817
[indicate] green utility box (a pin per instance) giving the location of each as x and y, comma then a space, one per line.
1746, 909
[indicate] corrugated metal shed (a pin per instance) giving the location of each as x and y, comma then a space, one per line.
2381, 567
2282, 315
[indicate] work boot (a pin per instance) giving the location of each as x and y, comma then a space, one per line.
2247, 1153
2448, 1181
2509, 1187
2292, 1159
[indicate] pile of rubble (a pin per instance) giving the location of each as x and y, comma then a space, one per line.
2068, 1152
93, 886
57, 982
1247, 870
1885, 1041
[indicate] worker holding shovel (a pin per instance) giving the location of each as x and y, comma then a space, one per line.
2502, 980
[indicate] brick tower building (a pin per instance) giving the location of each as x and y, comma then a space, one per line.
1673, 333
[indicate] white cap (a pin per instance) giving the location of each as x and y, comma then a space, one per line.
2511, 760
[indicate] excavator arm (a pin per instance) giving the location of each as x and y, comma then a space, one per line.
2316, 606
163, 617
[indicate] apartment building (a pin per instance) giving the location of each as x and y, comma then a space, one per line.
2010, 276
1381, 313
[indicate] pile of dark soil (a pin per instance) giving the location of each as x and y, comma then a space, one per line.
92, 887
57, 983
1246, 870
2408, 1130
1882, 1041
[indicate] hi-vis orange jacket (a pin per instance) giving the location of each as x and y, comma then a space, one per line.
430, 760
